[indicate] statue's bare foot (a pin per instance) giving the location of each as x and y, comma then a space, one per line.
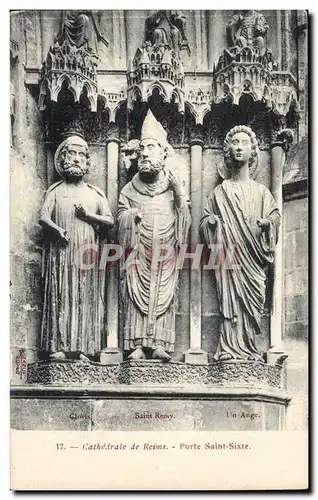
82, 357
160, 353
57, 355
137, 354
225, 356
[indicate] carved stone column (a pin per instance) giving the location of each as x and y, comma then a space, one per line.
278, 155
195, 355
111, 353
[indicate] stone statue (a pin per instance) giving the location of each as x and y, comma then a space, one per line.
153, 217
73, 214
166, 28
79, 29
248, 29
242, 216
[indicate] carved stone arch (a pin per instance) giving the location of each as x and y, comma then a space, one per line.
63, 78
203, 114
213, 126
246, 100
247, 88
227, 94
120, 112
189, 107
103, 100
45, 91
91, 96
157, 85
254, 70
113, 109
133, 94
198, 112
178, 99
246, 54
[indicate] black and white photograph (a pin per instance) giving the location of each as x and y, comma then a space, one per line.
158, 240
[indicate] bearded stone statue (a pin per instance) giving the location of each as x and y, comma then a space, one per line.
153, 216
72, 215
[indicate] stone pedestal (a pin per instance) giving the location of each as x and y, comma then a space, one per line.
196, 357
151, 395
124, 408
111, 355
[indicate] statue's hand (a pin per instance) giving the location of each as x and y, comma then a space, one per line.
80, 212
263, 223
212, 221
63, 236
137, 214
138, 217
174, 184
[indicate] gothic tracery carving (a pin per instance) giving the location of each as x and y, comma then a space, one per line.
247, 67
158, 64
73, 58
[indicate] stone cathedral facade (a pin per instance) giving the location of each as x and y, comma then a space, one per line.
200, 73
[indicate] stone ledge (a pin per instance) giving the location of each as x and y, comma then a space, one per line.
152, 373
127, 410
121, 391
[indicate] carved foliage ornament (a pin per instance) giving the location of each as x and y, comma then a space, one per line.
239, 374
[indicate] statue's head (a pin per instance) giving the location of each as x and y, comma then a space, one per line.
240, 146
151, 157
72, 158
248, 12
153, 147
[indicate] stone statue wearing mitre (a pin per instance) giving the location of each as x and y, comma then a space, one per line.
241, 217
154, 219
74, 215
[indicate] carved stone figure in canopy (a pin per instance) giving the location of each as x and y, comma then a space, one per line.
166, 28
153, 218
79, 29
73, 214
248, 29
242, 216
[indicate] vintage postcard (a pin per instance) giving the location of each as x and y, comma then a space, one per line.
159, 262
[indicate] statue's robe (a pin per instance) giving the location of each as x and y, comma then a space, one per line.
148, 286
73, 296
166, 28
78, 30
241, 290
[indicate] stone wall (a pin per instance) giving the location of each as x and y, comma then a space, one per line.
28, 175
296, 269
296, 308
